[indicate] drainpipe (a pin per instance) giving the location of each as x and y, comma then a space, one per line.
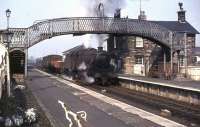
186, 66
115, 43
164, 61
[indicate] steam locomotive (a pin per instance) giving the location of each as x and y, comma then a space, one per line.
89, 65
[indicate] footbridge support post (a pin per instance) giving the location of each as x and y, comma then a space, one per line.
26, 63
8, 75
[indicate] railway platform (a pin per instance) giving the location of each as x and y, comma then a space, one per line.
185, 91
102, 111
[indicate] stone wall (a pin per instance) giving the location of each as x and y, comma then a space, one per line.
186, 96
152, 53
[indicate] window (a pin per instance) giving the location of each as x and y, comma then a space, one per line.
138, 59
131, 42
194, 59
139, 42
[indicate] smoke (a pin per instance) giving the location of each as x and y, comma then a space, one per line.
88, 79
110, 6
99, 39
92, 10
87, 40
83, 67
94, 38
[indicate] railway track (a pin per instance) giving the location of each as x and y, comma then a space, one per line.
158, 102
177, 109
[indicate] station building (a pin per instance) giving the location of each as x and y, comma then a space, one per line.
135, 55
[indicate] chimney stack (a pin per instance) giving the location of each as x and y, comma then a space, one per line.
100, 49
142, 16
117, 13
101, 10
181, 13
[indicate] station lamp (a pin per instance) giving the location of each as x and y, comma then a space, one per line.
8, 34
8, 12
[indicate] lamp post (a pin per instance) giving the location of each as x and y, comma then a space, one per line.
8, 37
8, 34
8, 12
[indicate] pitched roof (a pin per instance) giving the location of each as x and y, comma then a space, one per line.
73, 49
177, 26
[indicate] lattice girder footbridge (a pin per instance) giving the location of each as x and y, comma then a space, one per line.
27, 37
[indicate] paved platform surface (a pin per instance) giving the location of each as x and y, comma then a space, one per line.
102, 111
187, 85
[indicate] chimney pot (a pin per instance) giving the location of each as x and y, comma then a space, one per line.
181, 14
142, 16
117, 13
100, 49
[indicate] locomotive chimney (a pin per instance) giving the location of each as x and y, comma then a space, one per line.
100, 49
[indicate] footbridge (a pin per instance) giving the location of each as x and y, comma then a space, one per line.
20, 39
41, 30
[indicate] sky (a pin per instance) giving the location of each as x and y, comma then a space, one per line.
25, 12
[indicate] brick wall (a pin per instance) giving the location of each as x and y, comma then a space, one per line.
152, 53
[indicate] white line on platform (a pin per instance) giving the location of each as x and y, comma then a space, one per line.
128, 108
79, 93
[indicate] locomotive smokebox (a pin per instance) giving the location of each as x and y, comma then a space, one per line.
100, 49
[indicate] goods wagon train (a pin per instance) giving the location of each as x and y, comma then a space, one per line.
4, 69
52, 63
89, 65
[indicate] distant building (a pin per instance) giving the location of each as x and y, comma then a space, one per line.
140, 56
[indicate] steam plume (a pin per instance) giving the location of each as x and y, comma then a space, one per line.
92, 10
110, 6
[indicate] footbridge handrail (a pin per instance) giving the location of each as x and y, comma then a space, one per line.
41, 30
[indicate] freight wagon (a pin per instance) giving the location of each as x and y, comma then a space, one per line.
52, 63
